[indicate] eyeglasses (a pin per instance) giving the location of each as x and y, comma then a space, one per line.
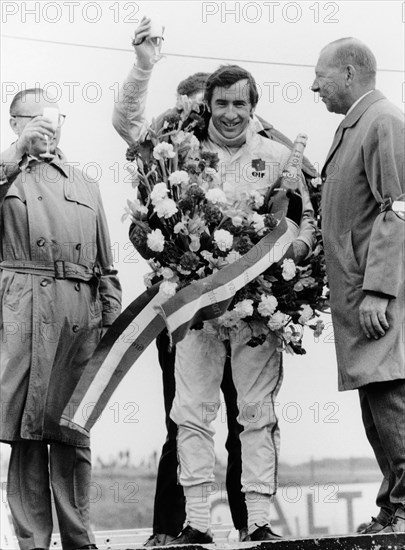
61, 119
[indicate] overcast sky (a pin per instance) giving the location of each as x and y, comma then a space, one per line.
81, 52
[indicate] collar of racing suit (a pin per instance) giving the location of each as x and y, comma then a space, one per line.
236, 142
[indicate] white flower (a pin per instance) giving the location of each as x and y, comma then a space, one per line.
163, 151
289, 269
179, 137
210, 171
244, 308
186, 104
267, 305
194, 146
159, 192
178, 177
147, 278
290, 335
223, 239
168, 289
306, 314
211, 176
277, 320
319, 328
257, 199
195, 243
156, 240
237, 220
258, 222
214, 263
180, 227
165, 208
216, 196
137, 207
229, 319
167, 273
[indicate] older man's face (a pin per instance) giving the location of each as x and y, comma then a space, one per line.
330, 83
231, 108
26, 110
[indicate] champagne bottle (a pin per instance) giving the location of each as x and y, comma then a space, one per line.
285, 195
292, 169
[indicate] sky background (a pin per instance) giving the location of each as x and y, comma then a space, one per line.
278, 42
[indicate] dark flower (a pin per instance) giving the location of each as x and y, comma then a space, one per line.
243, 244
256, 340
170, 255
172, 119
270, 221
196, 192
131, 152
186, 204
189, 261
195, 122
212, 214
210, 159
191, 166
138, 237
297, 348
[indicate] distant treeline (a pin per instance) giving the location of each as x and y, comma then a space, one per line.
338, 470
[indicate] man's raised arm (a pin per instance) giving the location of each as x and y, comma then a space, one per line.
129, 108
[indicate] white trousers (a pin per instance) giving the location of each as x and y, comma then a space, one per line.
257, 375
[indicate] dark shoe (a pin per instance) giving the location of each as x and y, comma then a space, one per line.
375, 526
396, 524
243, 534
159, 539
88, 547
192, 536
264, 533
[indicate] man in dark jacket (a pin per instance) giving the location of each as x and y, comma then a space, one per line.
364, 243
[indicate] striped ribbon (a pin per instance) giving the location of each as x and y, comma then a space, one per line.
124, 342
145, 318
209, 298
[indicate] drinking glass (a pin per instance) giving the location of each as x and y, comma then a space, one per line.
52, 114
156, 37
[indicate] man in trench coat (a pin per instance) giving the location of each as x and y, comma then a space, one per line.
57, 292
364, 243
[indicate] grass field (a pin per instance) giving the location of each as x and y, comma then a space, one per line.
122, 498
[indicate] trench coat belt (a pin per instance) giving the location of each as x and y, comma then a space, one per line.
59, 269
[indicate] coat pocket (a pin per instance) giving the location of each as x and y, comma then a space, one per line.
14, 288
352, 265
80, 194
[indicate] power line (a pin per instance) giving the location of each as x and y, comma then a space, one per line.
78, 45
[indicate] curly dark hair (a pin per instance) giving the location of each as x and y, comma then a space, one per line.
193, 84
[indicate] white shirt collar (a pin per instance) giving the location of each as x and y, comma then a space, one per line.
256, 124
358, 101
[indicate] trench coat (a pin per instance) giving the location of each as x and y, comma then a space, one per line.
57, 290
364, 241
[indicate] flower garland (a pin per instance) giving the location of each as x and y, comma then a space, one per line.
183, 224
